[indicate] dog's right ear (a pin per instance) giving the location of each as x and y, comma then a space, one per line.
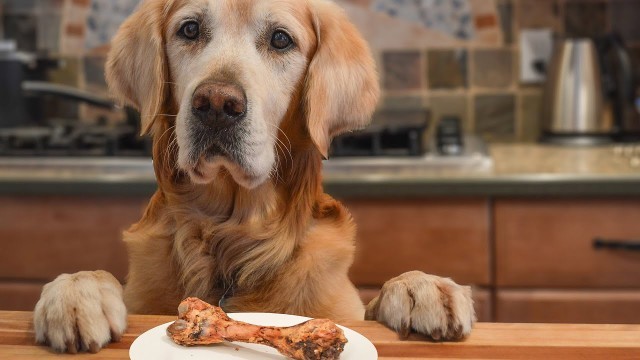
136, 69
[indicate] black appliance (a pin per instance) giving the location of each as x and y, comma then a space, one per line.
26, 131
391, 133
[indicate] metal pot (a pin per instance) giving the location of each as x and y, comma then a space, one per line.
16, 89
12, 102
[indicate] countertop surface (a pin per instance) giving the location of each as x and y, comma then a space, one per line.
487, 341
513, 170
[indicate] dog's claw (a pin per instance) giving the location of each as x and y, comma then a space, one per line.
72, 347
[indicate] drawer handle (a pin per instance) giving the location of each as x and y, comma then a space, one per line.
613, 244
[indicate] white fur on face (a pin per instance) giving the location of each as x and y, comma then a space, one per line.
236, 46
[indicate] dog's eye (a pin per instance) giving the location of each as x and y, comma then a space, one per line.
190, 30
280, 40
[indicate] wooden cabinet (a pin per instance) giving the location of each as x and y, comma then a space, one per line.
43, 237
446, 237
47, 236
549, 243
529, 260
19, 295
569, 306
548, 270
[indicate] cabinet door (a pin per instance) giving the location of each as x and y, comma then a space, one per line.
43, 237
549, 243
587, 306
447, 237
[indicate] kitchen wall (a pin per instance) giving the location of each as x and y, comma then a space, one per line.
455, 57
462, 57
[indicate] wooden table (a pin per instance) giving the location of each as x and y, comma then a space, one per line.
488, 341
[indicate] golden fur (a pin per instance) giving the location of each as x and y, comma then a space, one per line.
279, 245
282, 247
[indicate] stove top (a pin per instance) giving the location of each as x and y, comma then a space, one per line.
73, 139
402, 140
395, 139
473, 156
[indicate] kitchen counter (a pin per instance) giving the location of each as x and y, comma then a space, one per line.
514, 170
487, 341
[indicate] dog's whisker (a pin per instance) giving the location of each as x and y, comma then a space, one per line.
167, 150
175, 148
285, 135
165, 132
154, 115
172, 148
281, 147
274, 170
288, 148
284, 146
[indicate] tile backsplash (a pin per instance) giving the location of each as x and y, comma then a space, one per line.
470, 55
455, 57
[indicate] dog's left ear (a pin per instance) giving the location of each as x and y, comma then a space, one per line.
136, 69
342, 83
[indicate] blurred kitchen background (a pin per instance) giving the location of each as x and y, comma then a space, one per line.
505, 152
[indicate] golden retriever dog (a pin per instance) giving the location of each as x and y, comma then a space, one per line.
242, 98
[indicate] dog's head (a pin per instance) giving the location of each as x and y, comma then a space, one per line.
234, 69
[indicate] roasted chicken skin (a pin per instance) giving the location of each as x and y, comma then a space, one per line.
200, 323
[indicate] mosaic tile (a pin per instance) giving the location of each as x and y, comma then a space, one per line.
384, 32
493, 68
624, 16
23, 29
452, 17
531, 121
68, 74
395, 102
486, 20
94, 71
402, 70
585, 18
364, 3
505, 11
450, 105
534, 14
447, 69
634, 53
105, 17
495, 116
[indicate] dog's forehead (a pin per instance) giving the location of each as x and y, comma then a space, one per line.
242, 13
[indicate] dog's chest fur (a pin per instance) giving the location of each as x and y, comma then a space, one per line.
200, 248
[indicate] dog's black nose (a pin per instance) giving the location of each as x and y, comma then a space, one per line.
217, 103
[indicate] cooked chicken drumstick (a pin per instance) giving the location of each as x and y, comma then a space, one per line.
200, 323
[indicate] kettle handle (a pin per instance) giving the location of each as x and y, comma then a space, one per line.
624, 77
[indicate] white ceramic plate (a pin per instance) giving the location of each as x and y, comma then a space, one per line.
156, 345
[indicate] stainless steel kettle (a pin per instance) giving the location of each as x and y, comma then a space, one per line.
588, 92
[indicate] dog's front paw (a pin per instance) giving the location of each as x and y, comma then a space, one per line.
427, 304
80, 312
